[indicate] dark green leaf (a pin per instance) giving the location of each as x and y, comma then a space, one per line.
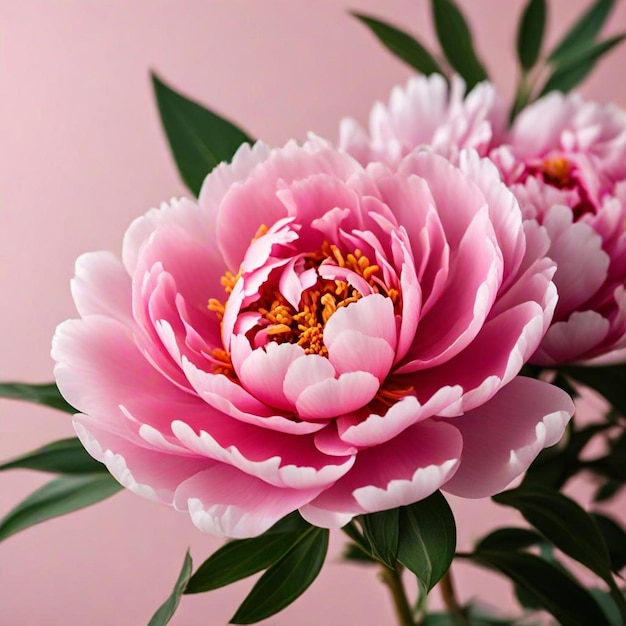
402, 45
166, 611
456, 41
615, 539
509, 539
427, 539
557, 593
66, 456
584, 30
530, 33
569, 527
563, 522
608, 490
381, 530
47, 394
243, 557
199, 138
353, 552
286, 580
573, 69
58, 497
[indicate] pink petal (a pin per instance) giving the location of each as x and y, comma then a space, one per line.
362, 336
263, 373
402, 471
225, 502
332, 397
502, 437
455, 320
376, 429
572, 338
233, 400
101, 286
150, 473
283, 461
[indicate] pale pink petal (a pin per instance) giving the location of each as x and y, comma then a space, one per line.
283, 461
333, 397
374, 429
101, 286
263, 373
570, 339
502, 437
149, 473
362, 336
233, 400
581, 263
225, 502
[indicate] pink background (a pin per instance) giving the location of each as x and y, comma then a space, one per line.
82, 154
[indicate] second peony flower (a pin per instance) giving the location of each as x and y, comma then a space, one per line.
316, 335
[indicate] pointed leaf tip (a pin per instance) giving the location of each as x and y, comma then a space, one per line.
199, 138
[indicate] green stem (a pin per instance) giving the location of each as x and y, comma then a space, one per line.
448, 595
393, 580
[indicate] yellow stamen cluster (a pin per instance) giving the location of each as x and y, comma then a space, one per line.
305, 326
557, 171
390, 392
222, 363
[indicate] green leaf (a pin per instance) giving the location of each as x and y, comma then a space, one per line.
608, 490
427, 539
615, 539
456, 41
66, 456
575, 67
199, 138
402, 45
530, 33
608, 605
354, 552
58, 497
381, 530
570, 603
569, 527
243, 557
584, 30
563, 522
47, 394
509, 539
286, 580
166, 611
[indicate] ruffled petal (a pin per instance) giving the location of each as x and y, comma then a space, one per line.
502, 437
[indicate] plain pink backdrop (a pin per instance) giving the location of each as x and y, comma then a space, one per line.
82, 154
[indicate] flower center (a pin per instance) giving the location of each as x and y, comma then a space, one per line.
281, 322
559, 172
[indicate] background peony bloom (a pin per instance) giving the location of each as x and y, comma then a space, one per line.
315, 336
430, 115
566, 163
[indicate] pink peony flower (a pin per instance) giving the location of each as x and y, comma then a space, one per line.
315, 335
566, 163
428, 115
